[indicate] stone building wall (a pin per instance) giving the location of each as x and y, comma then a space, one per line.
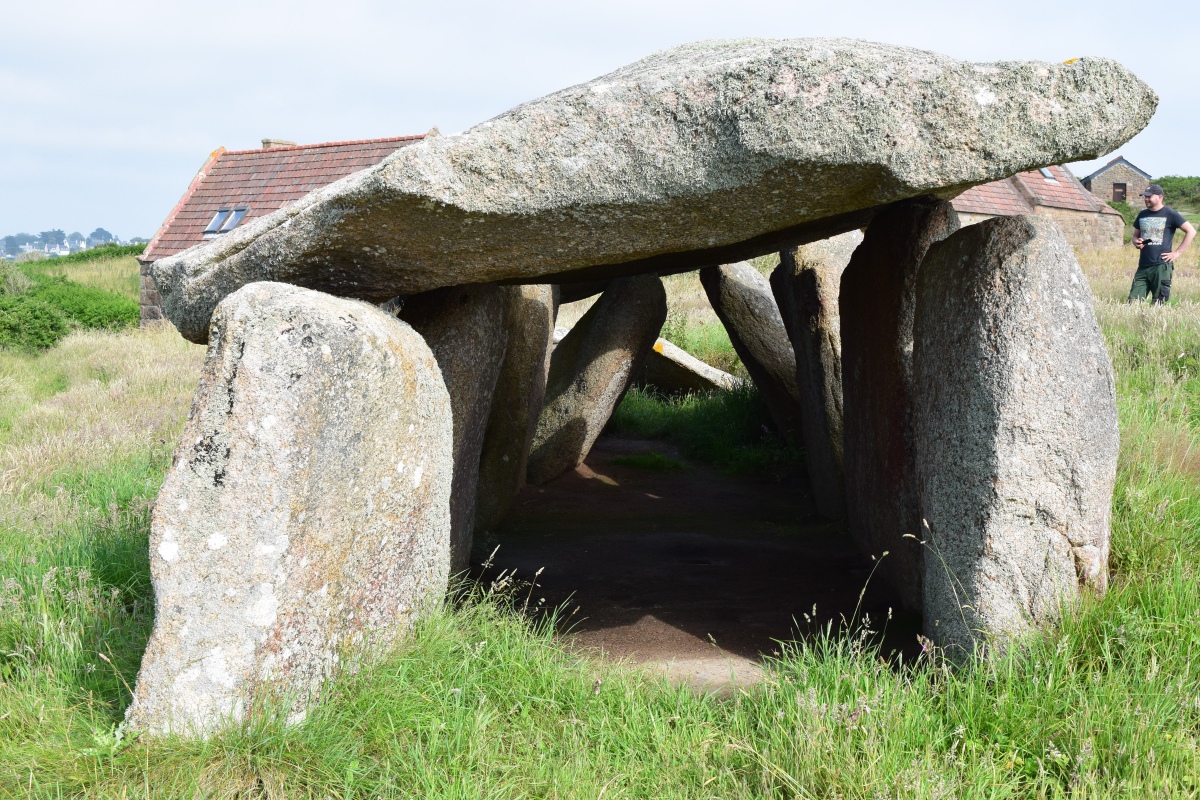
1086, 230
1135, 183
966, 219
149, 298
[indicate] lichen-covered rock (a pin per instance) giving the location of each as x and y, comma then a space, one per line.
672, 370
806, 285
706, 153
306, 514
877, 302
591, 369
466, 328
520, 390
742, 300
1016, 431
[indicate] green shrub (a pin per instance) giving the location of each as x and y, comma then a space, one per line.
1180, 189
90, 307
1127, 211
29, 324
13, 280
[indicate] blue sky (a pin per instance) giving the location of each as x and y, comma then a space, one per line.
109, 108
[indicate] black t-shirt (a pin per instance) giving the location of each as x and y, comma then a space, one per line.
1158, 229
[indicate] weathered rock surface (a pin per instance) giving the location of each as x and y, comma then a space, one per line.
672, 370
1016, 430
702, 154
877, 302
467, 330
591, 369
306, 514
743, 301
806, 285
517, 401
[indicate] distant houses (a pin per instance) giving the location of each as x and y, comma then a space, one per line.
55, 243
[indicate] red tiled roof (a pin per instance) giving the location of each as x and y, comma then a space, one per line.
998, 198
1062, 192
1018, 195
264, 181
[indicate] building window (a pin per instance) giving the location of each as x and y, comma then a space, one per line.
1047, 174
225, 220
1118, 193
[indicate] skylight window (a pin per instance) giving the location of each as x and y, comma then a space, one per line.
218, 220
236, 216
1047, 174
225, 220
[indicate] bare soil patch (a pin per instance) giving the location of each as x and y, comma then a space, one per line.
699, 573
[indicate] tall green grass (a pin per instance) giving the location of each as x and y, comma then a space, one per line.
483, 702
730, 429
706, 340
117, 274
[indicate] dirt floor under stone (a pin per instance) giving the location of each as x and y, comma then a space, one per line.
689, 571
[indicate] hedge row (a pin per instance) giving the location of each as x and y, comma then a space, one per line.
36, 313
103, 251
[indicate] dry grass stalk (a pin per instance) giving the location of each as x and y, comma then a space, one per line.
120, 275
96, 399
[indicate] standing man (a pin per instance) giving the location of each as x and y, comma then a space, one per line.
1154, 234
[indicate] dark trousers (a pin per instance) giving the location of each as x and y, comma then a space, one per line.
1153, 281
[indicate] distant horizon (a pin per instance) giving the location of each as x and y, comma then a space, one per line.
116, 116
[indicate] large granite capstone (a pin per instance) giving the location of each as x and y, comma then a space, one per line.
702, 154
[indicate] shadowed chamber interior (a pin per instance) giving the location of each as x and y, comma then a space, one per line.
685, 564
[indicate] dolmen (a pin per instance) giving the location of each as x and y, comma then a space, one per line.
949, 386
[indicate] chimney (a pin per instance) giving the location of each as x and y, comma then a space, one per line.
271, 143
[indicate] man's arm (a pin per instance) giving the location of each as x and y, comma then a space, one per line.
1189, 233
1138, 241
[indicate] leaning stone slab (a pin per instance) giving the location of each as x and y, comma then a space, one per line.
706, 153
877, 303
520, 391
742, 300
672, 370
466, 328
1016, 431
591, 369
806, 285
306, 514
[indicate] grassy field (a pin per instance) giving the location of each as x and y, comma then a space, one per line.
481, 703
118, 275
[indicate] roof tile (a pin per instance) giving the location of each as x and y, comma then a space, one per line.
998, 198
264, 180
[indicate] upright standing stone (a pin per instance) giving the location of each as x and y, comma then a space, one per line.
465, 328
590, 371
306, 514
1016, 430
806, 285
742, 298
877, 302
520, 390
